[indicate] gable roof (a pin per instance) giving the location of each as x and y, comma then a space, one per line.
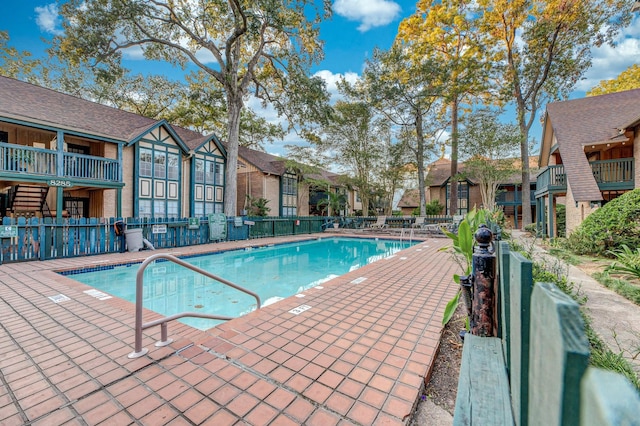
439, 172
579, 122
410, 198
29, 103
264, 162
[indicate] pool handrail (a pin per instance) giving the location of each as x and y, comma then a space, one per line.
139, 326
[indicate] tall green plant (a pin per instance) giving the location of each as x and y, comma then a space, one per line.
463, 252
627, 262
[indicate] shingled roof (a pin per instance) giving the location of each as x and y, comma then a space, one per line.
31, 103
590, 120
440, 172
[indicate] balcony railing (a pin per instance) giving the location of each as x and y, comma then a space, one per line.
551, 179
508, 197
614, 174
43, 162
609, 174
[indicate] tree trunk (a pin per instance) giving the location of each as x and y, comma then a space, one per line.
453, 195
234, 105
420, 163
524, 154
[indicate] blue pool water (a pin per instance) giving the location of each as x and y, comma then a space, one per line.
273, 272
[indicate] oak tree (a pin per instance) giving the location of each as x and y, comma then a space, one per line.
541, 49
263, 46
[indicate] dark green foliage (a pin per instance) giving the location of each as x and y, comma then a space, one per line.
432, 208
561, 220
608, 228
627, 262
258, 206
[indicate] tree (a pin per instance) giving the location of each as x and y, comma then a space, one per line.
542, 49
242, 44
13, 63
203, 108
407, 95
351, 138
627, 80
444, 32
334, 204
490, 147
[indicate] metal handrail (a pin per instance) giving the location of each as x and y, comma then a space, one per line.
139, 351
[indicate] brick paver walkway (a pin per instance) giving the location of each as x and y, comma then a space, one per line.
358, 354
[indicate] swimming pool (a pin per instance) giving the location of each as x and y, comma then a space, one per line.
274, 272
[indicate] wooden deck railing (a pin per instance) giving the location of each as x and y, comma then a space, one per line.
44, 162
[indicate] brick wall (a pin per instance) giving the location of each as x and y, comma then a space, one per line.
576, 213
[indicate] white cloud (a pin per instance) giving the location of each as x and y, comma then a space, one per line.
609, 62
370, 13
48, 19
332, 79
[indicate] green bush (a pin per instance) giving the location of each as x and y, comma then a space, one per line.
432, 208
627, 262
615, 224
561, 220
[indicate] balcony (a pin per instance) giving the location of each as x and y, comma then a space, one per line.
512, 198
609, 174
18, 162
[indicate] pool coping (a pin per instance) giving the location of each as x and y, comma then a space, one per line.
359, 355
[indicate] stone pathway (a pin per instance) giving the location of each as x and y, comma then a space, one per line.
615, 319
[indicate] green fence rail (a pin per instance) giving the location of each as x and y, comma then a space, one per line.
24, 239
544, 352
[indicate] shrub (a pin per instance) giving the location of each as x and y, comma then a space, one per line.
561, 220
627, 262
615, 224
432, 208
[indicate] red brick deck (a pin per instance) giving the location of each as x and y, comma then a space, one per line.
358, 355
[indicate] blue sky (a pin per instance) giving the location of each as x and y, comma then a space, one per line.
357, 27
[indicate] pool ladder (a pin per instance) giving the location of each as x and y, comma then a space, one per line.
402, 234
162, 322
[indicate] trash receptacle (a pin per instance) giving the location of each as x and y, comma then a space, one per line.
134, 239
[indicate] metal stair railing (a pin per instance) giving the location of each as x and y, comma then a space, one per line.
162, 322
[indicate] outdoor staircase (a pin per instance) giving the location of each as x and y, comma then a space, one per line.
28, 200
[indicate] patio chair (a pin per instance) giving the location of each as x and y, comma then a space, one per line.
419, 223
380, 223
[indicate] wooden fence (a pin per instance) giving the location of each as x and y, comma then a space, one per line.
543, 353
23, 239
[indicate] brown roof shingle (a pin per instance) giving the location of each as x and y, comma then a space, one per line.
47, 107
589, 120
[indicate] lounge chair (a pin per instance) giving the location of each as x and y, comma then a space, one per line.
380, 223
419, 223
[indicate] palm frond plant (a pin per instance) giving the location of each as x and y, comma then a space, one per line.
627, 262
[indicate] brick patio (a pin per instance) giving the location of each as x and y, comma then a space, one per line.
359, 354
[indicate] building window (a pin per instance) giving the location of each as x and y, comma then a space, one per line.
173, 166
289, 195
159, 208
210, 172
198, 209
199, 171
78, 149
219, 173
145, 162
160, 169
144, 208
463, 198
172, 209
4, 137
